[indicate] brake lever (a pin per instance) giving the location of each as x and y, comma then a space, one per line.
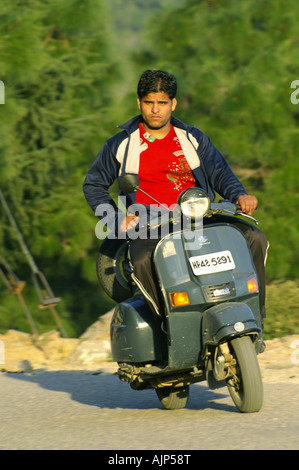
248, 216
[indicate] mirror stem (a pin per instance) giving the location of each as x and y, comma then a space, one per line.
165, 207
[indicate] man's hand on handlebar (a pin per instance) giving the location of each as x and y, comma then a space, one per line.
247, 203
130, 221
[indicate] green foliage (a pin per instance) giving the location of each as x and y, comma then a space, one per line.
58, 71
282, 309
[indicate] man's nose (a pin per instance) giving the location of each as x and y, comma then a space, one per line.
155, 108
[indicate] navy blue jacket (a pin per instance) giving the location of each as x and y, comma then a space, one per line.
120, 155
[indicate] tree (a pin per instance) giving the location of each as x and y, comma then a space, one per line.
58, 71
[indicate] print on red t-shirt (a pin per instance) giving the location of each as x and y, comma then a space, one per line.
163, 169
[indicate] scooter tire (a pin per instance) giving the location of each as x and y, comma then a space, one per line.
246, 388
109, 269
173, 398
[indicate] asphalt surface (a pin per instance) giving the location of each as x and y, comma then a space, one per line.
78, 411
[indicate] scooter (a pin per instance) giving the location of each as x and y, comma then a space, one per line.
211, 327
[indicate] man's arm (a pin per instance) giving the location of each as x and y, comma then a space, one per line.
100, 176
102, 173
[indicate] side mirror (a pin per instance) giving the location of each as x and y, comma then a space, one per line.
128, 183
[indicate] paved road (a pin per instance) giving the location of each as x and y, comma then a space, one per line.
70, 410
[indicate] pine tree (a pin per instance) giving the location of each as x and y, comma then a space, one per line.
58, 69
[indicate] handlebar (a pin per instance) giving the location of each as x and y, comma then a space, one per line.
228, 208
174, 217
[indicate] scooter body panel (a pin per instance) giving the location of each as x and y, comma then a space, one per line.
135, 332
227, 320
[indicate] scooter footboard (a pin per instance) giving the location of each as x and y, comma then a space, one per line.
227, 320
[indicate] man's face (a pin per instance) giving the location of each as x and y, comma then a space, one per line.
156, 110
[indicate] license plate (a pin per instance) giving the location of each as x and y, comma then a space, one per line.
212, 263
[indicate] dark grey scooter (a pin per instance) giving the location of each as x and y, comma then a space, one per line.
211, 326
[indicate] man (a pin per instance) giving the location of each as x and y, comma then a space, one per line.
168, 156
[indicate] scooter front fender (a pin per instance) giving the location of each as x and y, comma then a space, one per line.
227, 320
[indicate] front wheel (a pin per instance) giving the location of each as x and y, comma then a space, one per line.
173, 398
245, 382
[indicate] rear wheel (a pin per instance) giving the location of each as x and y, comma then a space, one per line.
173, 398
245, 383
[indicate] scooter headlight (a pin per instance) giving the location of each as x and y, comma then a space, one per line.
194, 203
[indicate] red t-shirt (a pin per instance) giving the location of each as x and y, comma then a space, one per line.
163, 169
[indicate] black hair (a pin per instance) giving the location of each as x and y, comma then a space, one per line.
157, 81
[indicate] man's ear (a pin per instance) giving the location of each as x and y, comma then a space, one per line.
138, 103
174, 103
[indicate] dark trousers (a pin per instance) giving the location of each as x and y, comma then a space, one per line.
141, 253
